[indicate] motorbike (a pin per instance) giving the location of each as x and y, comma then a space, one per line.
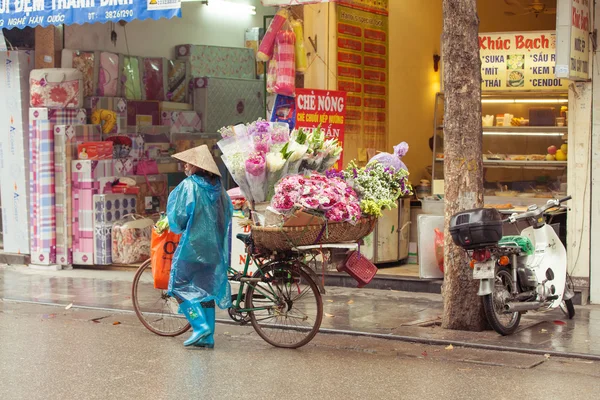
519, 273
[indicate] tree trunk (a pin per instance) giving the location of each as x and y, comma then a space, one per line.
463, 167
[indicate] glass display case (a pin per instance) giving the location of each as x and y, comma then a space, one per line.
525, 147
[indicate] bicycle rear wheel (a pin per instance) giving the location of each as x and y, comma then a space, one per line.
288, 308
156, 310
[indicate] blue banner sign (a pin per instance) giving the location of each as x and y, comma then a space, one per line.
23, 13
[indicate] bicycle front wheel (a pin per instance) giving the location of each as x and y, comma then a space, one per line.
286, 308
156, 310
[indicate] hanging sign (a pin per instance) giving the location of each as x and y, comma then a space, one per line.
374, 6
32, 13
284, 3
363, 71
322, 107
519, 61
573, 39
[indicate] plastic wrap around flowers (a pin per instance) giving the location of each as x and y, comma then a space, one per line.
260, 154
330, 196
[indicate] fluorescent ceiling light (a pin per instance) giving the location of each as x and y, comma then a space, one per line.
227, 7
521, 101
492, 133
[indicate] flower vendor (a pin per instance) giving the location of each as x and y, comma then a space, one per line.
200, 209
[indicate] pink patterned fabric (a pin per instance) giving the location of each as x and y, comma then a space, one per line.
182, 121
285, 84
42, 178
272, 72
108, 75
88, 178
154, 82
55, 95
84, 62
67, 137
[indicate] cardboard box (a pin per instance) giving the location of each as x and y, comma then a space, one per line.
224, 101
143, 113
182, 121
224, 62
173, 106
153, 194
14, 168
95, 151
108, 209
89, 178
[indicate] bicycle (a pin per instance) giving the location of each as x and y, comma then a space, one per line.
271, 299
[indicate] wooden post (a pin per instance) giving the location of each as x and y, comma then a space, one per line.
595, 206
580, 183
48, 46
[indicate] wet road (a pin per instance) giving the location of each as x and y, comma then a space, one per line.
52, 353
389, 313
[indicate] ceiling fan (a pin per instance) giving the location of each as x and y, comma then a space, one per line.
536, 7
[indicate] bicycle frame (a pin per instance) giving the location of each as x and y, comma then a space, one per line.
232, 274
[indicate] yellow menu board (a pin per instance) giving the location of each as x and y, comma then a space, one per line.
374, 6
362, 71
519, 61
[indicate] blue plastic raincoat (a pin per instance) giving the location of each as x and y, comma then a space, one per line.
202, 212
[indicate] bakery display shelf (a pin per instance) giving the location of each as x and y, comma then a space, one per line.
521, 164
523, 130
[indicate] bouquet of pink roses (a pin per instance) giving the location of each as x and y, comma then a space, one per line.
329, 196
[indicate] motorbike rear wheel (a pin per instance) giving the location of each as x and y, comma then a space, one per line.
493, 304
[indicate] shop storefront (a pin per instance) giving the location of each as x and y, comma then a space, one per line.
529, 117
175, 84
91, 142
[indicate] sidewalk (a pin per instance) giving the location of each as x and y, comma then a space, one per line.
388, 314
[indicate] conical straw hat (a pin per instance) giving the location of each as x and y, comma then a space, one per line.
200, 157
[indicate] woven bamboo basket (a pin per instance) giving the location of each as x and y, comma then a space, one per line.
286, 238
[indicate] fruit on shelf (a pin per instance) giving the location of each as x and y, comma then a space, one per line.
561, 155
552, 150
550, 157
564, 148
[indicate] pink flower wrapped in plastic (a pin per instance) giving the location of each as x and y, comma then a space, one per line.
280, 136
262, 143
256, 174
260, 132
